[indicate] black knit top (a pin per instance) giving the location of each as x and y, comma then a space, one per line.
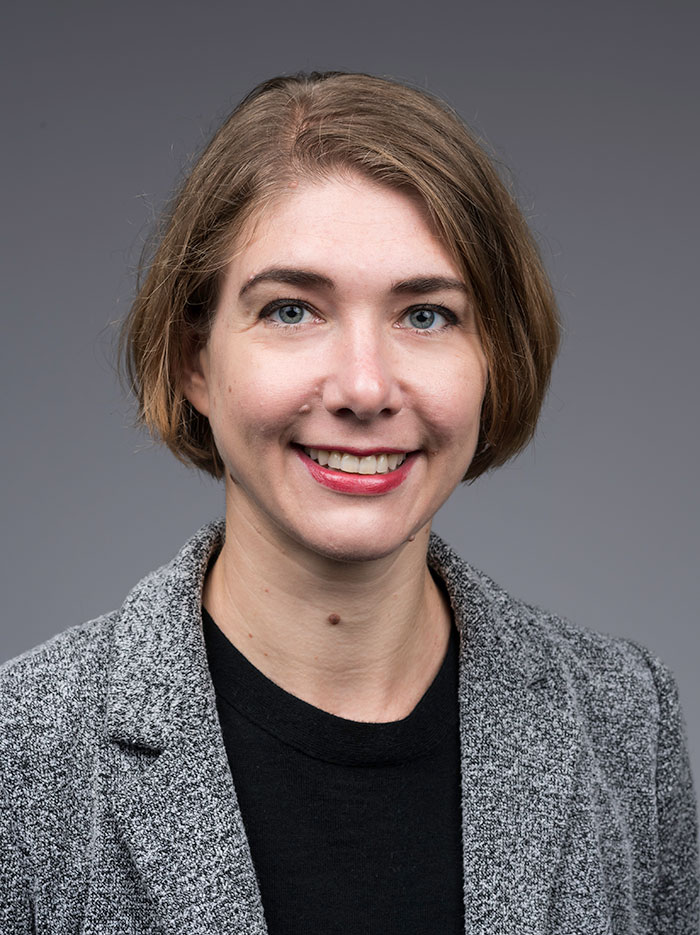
354, 827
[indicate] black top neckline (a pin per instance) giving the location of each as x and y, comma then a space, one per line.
318, 733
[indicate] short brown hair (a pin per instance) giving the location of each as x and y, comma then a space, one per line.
313, 126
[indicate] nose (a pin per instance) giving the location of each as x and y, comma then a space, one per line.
362, 376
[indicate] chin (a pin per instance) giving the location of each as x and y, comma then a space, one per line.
355, 548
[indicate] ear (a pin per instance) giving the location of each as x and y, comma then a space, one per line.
196, 379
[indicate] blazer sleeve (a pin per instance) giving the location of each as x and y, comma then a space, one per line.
16, 913
677, 896
16, 917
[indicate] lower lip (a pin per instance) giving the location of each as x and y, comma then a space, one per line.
365, 484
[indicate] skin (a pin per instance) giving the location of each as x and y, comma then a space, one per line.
328, 593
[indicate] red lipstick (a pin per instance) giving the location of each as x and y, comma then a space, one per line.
363, 484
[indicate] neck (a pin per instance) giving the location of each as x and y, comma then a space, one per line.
361, 640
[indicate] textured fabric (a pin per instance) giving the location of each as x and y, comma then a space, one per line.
353, 827
119, 815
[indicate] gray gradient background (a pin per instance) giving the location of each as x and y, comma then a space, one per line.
592, 105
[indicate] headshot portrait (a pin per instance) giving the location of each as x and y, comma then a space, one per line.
350, 484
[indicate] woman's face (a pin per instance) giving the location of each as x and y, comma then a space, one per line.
343, 334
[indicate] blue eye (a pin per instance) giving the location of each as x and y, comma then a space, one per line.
290, 314
426, 319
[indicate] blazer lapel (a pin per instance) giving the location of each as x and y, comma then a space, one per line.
182, 827
168, 785
519, 748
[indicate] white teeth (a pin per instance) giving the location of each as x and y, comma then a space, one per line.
351, 464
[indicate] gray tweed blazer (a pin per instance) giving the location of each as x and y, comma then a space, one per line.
118, 814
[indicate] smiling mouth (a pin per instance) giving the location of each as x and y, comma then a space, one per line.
353, 464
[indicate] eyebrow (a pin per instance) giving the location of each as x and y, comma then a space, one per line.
418, 285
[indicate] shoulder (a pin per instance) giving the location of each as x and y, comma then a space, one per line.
613, 679
61, 683
594, 658
619, 688
66, 653
49, 692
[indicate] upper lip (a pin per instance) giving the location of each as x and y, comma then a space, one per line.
359, 452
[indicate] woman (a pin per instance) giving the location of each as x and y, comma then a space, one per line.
317, 717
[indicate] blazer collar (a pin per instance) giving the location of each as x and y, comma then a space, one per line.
159, 681
497, 633
172, 795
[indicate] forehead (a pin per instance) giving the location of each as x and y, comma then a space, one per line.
344, 227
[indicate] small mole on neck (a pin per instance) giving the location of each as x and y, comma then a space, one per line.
333, 618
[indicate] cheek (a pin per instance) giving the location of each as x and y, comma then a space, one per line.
454, 399
254, 401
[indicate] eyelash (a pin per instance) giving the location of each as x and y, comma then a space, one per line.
450, 318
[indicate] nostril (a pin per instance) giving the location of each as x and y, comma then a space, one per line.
361, 415
359, 387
